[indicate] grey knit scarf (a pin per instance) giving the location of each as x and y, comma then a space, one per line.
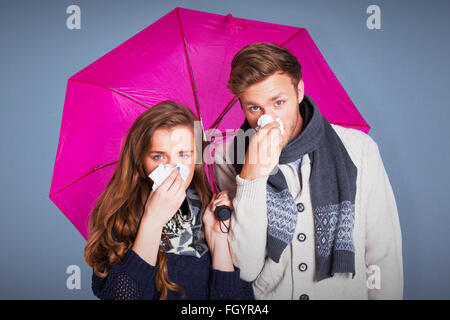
333, 190
183, 233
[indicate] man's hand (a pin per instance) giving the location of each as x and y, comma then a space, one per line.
263, 152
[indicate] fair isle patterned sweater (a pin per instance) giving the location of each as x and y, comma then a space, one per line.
376, 234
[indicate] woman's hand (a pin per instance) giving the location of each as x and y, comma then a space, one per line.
160, 207
215, 233
213, 226
163, 203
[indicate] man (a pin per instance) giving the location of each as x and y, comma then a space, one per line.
314, 212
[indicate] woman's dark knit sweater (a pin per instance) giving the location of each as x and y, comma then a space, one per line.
134, 278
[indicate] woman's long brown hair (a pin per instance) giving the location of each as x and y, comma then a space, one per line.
115, 219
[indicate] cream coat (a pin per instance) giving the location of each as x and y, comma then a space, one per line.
376, 235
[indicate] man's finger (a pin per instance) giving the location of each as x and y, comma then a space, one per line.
265, 130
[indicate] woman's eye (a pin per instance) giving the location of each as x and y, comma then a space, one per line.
185, 156
279, 103
254, 108
158, 157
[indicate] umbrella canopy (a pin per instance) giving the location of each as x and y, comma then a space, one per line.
185, 56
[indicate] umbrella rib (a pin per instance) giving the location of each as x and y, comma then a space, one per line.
224, 112
140, 103
351, 124
292, 37
83, 176
340, 124
234, 99
191, 73
111, 163
115, 90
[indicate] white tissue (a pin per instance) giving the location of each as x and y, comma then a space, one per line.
266, 119
160, 174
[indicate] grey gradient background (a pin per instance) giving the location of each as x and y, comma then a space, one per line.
397, 77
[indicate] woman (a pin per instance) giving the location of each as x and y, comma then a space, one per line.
164, 243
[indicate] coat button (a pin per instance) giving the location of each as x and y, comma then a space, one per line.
301, 237
302, 267
300, 207
304, 297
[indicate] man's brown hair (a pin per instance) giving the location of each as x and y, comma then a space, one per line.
259, 60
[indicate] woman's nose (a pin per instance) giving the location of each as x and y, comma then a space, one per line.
171, 162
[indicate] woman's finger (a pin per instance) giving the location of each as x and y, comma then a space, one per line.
223, 197
227, 203
177, 186
208, 215
221, 202
169, 181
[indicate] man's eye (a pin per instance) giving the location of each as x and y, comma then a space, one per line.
279, 103
254, 108
185, 156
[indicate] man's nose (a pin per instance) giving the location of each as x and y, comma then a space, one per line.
269, 112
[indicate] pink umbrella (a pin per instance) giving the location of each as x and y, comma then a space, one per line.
185, 56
